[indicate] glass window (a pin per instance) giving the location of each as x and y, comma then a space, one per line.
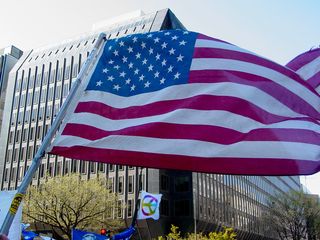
101, 167
130, 207
58, 92
119, 208
59, 168
111, 184
130, 184
18, 135
24, 134
92, 167
164, 207
74, 165
8, 157
51, 169
83, 167
6, 174
52, 75
11, 136
111, 167
120, 185
164, 182
50, 93
181, 184
39, 132
30, 150
65, 89
182, 208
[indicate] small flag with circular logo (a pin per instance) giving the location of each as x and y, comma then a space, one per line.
149, 205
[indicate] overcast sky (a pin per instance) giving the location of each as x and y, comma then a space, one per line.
276, 29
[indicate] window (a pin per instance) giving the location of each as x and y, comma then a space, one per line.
23, 154
119, 208
41, 113
130, 184
42, 168
58, 92
83, 167
111, 167
74, 165
101, 167
130, 207
120, 185
11, 134
50, 93
24, 134
181, 208
65, 89
59, 168
181, 184
164, 182
31, 133
164, 207
30, 151
92, 167
20, 174
18, 135
51, 169
111, 184
13, 174
121, 167
52, 76
39, 132
8, 157
66, 167
6, 174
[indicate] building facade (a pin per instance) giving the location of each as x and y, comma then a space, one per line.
39, 84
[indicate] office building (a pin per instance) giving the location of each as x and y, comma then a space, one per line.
39, 84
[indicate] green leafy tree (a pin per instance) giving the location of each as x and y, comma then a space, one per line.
293, 215
226, 234
67, 202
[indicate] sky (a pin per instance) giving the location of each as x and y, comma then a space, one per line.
278, 30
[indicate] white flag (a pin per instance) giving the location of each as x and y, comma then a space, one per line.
149, 205
5, 202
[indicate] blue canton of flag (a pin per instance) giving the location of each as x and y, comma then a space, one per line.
137, 64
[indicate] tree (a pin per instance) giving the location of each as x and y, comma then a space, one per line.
293, 215
67, 202
175, 234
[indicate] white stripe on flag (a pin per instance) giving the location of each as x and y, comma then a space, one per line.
279, 78
263, 149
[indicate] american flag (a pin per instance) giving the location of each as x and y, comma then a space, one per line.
307, 65
181, 100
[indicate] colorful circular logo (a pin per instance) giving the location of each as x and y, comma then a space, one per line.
149, 205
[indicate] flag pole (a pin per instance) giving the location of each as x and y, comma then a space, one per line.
49, 136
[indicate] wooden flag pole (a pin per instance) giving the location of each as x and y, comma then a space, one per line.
49, 136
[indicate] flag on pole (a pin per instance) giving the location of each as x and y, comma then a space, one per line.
149, 205
182, 100
307, 65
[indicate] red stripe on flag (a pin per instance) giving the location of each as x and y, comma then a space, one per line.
253, 166
196, 132
303, 59
279, 92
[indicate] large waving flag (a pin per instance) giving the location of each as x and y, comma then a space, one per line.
307, 65
182, 100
